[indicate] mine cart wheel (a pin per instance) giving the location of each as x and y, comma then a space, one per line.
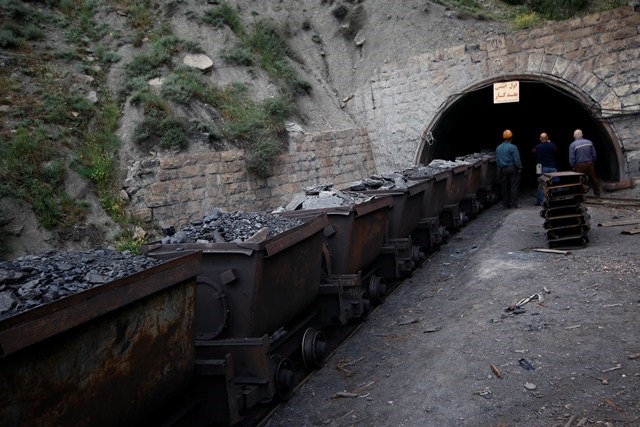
284, 376
314, 347
377, 290
444, 233
212, 312
417, 255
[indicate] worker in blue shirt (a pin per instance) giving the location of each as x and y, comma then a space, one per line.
545, 152
510, 167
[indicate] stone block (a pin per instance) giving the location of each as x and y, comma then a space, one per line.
543, 42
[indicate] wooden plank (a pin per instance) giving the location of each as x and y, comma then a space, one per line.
618, 223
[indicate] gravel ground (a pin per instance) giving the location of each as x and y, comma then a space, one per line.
444, 350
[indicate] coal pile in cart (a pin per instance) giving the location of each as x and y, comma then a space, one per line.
232, 227
566, 220
33, 280
324, 196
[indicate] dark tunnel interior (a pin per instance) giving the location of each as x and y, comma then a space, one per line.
474, 123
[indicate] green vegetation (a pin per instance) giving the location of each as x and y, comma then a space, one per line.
526, 20
31, 170
529, 13
224, 15
258, 127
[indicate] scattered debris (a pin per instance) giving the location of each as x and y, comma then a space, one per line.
530, 386
615, 368
613, 404
343, 394
568, 423
634, 356
552, 251
496, 371
341, 365
484, 393
604, 381
408, 322
524, 363
618, 223
635, 230
572, 327
523, 301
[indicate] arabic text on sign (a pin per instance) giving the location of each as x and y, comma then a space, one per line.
506, 92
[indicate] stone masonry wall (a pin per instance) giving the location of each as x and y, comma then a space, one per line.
175, 189
596, 57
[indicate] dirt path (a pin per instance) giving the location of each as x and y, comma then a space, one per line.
424, 358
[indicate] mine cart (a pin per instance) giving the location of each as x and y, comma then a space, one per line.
489, 179
430, 234
452, 216
249, 289
473, 178
109, 355
400, 255
254, 318
354, 240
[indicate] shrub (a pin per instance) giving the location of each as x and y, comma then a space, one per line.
262, 155
526, 20
558, 9
162, 128
340, 12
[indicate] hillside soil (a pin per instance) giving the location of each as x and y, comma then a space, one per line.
446, 350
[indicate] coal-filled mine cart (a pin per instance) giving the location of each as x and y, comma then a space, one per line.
354, 240
248, 289
105, 356
400, 255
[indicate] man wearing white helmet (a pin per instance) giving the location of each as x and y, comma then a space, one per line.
509, 165
582, 158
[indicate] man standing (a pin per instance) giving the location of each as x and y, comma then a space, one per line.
545, 153
582, 158
508, 161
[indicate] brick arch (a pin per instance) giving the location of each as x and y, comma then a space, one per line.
585, 88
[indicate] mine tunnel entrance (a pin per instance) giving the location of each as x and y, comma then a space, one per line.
472, 123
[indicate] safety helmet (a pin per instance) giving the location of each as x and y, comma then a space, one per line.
507, 134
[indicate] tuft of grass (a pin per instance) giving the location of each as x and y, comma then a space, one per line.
526, 20
183, 85
127, 241
274, 55
239, 55
224, 15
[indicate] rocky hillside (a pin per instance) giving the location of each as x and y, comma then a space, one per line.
88, 87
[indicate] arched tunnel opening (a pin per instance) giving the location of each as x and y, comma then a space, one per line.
473, 123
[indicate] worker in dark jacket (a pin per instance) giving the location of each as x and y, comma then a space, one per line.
582, 158
510, 167
545, 152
